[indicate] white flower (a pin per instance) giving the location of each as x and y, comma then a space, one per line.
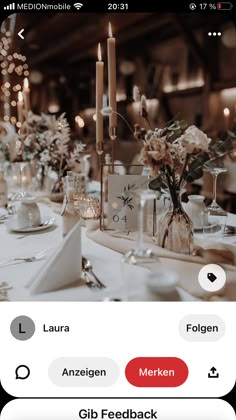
45, 156
75, 155
177, 153
106, 111
27, 142
136, 94
194, 140
62, 149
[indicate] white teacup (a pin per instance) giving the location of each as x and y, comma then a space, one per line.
195, 210
28, 213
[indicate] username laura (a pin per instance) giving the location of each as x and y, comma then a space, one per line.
56, 328
126, 414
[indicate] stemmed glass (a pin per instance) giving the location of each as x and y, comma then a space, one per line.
20, 176
137, 262
214, 217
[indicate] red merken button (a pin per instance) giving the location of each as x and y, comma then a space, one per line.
156, 372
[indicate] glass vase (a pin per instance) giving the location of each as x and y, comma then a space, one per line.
176, 228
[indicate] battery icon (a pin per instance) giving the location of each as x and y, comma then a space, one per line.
224, 6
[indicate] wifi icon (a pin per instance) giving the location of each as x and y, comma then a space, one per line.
78, 5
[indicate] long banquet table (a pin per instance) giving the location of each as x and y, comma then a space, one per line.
106, 264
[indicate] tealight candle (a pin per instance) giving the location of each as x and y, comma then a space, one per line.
88, 214
89, 207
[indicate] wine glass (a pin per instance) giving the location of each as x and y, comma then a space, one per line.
21, 179
214, 217
137, 262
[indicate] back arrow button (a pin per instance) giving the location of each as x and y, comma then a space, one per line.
20, 34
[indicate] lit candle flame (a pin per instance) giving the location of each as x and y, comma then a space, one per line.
99, 52
79, 121
110, 30
226, 112
20, 97
26, 83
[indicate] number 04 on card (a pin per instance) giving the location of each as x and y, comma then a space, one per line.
123, 201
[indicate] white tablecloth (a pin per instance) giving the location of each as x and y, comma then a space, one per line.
106, 264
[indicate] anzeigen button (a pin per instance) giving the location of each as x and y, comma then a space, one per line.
83, 372
156, 372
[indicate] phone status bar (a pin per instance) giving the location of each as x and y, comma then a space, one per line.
224, 6
104, 6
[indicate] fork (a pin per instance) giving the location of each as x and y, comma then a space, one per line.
88, 268
91, 284
39, 256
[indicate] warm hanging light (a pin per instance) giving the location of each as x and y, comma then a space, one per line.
226, 112
79, 121
53, 107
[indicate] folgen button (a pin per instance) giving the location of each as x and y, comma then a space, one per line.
201, 327
156, 372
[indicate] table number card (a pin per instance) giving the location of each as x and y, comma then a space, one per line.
123, 201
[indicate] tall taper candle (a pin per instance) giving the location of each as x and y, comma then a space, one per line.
20, 106
26, 94
99, 101
111, 52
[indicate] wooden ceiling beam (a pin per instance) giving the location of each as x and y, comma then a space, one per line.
86, 35
191, 41
57, 47
148, 24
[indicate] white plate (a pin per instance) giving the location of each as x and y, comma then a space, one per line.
13, 225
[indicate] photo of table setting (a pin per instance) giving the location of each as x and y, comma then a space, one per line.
117, 172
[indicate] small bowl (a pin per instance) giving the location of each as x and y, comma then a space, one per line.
162, 282
28, 213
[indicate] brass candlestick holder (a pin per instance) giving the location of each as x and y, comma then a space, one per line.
113, 136
100, 151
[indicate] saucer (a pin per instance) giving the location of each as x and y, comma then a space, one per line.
46, 223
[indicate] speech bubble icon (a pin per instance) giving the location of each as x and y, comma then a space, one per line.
22, 372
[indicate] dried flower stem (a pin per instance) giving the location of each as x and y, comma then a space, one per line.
129, 127
183, 170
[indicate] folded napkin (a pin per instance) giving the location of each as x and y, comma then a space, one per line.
63, 268
187, 266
